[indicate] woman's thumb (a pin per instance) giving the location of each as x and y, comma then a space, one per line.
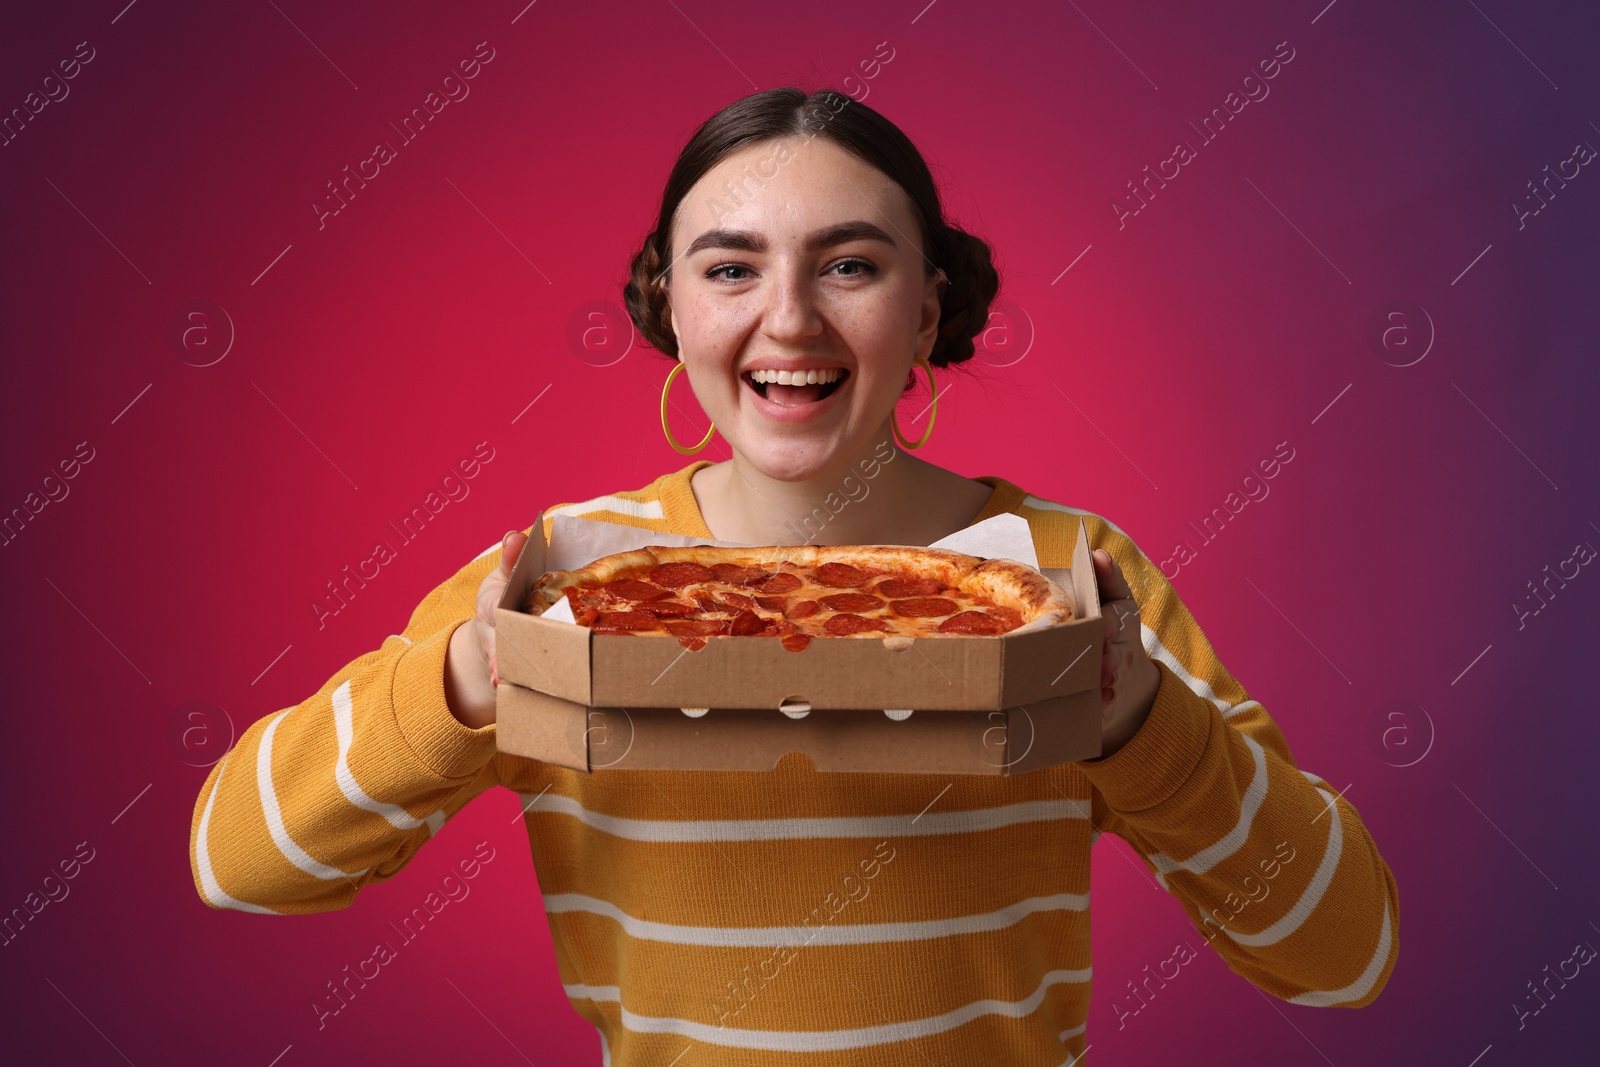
510, 549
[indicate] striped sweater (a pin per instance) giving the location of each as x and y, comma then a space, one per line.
797, 917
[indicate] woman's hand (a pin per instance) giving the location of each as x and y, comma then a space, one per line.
470, 671
1128, 677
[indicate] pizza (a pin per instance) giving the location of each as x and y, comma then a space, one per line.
803, 592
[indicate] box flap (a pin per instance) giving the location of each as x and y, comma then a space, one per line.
1085, 590
552, 657
530, 564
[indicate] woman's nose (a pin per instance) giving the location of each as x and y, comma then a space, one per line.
791, 313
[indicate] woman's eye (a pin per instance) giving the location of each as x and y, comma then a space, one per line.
865, 268
846, 268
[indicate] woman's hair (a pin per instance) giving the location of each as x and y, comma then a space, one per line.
777, 114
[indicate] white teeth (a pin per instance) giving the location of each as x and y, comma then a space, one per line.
799, 377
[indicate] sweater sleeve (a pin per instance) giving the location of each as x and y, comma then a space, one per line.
1272, 865
317, 800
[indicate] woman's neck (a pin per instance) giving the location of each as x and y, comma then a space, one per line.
882, 496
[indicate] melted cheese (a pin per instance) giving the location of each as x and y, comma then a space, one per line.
809, 590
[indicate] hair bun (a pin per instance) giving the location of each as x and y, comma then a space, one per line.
965, 306
645, 297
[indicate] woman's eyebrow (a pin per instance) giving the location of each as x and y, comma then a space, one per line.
746, 241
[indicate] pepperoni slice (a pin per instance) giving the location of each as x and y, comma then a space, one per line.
853, 602
804, 610
625, 621
749, 624
696, 627
796, 642
635, 590
847, 624
840, 576
773, 603
900, 588
974, 622
693, 644
723, 607
1010, 616
779, 583
923, 607
668, 609
678, 575
734, 574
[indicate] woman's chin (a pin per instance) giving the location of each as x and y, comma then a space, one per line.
793, 461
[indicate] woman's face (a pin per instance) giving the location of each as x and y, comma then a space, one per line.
799, 258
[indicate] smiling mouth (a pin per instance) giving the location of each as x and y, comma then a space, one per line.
794, 388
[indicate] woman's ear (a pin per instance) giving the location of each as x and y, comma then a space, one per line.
932, 311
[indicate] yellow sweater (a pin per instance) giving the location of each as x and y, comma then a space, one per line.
797, 917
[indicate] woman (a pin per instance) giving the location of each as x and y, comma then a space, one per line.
848, 917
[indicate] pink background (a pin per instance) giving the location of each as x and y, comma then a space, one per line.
368, 356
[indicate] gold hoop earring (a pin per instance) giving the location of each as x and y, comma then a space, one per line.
665, 389
933, 412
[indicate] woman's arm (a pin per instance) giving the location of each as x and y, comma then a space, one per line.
1275, 869
319, 799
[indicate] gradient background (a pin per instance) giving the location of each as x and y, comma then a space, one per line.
367, 357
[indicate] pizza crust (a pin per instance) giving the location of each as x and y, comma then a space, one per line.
1007, 583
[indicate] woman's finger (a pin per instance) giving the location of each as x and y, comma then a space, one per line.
1113, 586
510, 549
489, 596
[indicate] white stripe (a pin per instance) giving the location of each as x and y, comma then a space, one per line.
1200, 687
605, 1049
647, 509
1153, 645
663, 831
344, 725
600, 994
1072, 1059
842, 934
402, 637
1040, 504
1312, 896
274, 815
1207, 858
497, 546
828, 1040
1363, 983
208, 879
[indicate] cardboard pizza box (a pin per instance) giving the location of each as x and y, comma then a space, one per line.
937, 705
